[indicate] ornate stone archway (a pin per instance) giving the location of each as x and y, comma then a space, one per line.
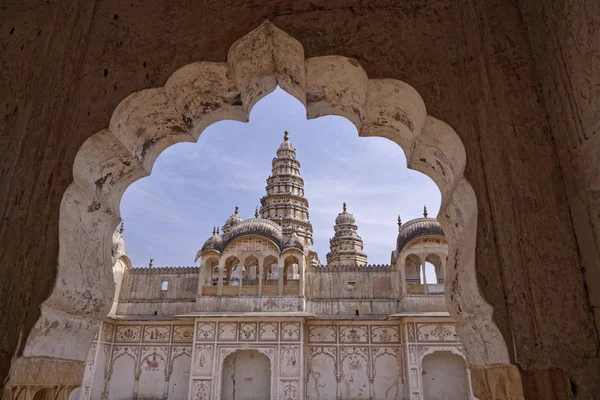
147, 122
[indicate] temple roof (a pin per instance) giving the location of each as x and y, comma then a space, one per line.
415, 228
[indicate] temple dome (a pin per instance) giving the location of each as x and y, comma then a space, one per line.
415, 228
257, 227
232, 220
345, 217
286, 144
214, 242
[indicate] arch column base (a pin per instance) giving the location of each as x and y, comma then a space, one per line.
500, 381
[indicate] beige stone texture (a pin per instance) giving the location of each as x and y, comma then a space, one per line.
516, 81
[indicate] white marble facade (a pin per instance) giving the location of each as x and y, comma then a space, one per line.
271, 359
262, 318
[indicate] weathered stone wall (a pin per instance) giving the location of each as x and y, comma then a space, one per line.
148, 358
565, 44
354, 283
66, 65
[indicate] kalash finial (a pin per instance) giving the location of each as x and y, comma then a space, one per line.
425, 211
214, 230
217, 230
122, 227
256, 212
399, 222
344, 206
150, 263
286, 136
237, 209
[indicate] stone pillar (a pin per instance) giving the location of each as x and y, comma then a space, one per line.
201, 277
220, 282
261, 267
423, 263
166, 389
402, 266
338, 387
301, 272
280, 265
136, 385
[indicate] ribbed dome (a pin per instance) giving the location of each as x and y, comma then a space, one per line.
345, 217
417, 228
255, 226
215, 242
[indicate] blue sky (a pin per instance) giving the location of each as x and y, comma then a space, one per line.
195, 186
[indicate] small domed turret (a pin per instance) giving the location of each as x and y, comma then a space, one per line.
415, 228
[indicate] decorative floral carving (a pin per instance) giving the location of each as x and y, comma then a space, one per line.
437, 332
205, 331
289, 391
107, 332
290, 331
321, 334
127, 333
353, 334
247, 331
385, 334
184, 333
201, 390
157, 333
268, 331
227, 331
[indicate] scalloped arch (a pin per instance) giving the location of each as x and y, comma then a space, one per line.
197, 95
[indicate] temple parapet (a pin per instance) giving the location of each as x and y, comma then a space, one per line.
353, 268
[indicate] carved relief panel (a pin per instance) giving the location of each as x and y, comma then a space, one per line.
322, 334
290, 360
157, 333
290, 331
289, 390
355, 371
154, 358
385, 334
184, 333
128, 334
268, 331
436, 333
354, 334
203, 359
201, 389
247, 331
205, 331
227, 331
107, 332
322, 372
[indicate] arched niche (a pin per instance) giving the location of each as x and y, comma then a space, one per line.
444, 375
199, 94
246, 374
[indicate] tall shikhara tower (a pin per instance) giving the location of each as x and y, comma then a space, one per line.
284, 202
